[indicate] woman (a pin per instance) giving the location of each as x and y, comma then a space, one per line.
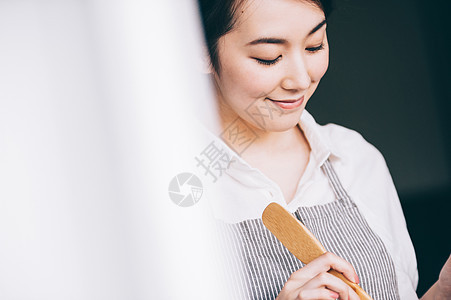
267, 58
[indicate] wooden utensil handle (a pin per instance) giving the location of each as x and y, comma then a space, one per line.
357, 289
299, 240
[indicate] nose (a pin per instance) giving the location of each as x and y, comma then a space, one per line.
296, 76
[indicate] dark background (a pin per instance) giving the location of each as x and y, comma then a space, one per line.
388, 79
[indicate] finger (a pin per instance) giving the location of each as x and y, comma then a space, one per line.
324, 263
332, 283
320, 293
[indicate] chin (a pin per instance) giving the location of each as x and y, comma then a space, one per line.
281, 127
280, 123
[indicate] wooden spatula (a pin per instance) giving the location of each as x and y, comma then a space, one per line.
299, 240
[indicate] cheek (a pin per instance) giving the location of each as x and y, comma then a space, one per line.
247, 79
318, 65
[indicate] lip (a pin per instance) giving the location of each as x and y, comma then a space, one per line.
288, 103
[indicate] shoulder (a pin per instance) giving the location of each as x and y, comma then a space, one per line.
360, 166
351, 146
347, 149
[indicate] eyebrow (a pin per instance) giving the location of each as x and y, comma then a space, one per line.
270, 40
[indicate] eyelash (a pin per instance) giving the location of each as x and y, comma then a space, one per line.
315, 49
268, 62
271, 62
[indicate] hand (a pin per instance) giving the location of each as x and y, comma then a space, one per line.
314, 282
444, 281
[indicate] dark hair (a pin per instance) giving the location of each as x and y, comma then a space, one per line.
219, 17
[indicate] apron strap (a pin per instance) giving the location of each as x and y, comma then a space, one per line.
335, 183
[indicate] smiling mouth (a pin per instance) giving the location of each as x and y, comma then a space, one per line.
286, 101
288, 104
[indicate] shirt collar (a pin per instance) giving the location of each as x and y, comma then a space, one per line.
320, 143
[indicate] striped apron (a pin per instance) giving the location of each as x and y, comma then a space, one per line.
259, 265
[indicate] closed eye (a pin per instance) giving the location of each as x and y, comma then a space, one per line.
315, 49
268, 62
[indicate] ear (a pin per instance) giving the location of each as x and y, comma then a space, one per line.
205, 65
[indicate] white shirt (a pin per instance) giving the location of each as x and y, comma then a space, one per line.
242, 192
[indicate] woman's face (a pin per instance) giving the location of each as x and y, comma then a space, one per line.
276, 54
